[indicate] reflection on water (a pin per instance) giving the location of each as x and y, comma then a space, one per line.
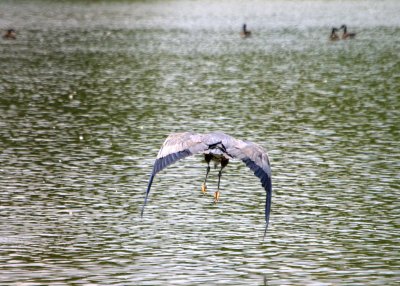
90, 91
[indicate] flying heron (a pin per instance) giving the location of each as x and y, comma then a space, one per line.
219, 148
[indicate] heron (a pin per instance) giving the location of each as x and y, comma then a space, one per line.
346, 35
245, 33
334, 36
219, 148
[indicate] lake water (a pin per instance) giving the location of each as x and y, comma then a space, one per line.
89, 91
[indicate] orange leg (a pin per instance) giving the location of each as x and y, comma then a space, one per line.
204, 186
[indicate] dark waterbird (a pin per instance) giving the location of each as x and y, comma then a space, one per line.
10, 34
346, 35
334, 36
219, 148
245, 33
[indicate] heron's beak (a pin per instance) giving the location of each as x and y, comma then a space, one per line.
204, 188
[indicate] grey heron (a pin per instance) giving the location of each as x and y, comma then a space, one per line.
219, 148
346, 35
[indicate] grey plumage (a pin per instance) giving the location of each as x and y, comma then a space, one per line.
218, 147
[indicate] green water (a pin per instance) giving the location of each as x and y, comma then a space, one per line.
90, 90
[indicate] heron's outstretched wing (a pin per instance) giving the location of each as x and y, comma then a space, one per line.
177, 146
257, 160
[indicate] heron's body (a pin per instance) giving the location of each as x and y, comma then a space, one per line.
217, 159
219, 148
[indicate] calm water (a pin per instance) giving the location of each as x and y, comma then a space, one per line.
90, 91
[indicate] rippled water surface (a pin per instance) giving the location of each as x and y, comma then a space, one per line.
89, 91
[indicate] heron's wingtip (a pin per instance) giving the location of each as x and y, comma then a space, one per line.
147, 193
141, 212
265, 231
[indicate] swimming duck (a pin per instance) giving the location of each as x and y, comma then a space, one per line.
334, 36
244, 33
10, 35
346, 35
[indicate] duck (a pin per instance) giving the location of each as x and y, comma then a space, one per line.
10, 35
346, 35
334, 36
244, 33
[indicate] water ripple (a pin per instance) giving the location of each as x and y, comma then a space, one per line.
89, 93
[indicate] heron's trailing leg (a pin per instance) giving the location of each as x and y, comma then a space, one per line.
204, 186
208, 158
224, 162
217, 193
